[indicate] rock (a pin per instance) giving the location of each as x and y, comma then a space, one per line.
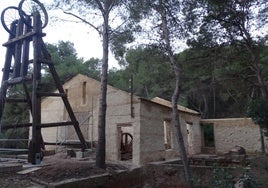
236, 155
244, 182
238, 150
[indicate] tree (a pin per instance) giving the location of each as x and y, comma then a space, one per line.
258, 111
93, 68
228, 22
166, 18
167, 28
216, 80
66, 61
68, 64
14, 113
150, 70
110, 33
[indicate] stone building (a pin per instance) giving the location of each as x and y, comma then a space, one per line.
136, 128
230, 132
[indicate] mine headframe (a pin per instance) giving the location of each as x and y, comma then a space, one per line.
25, 30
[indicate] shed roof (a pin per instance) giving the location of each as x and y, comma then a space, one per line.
169, 104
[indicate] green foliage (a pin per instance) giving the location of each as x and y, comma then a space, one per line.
14, 113
221, 178
119, 79
258, 111
66, 61
229, 23
216, 81
67, 64
152, 74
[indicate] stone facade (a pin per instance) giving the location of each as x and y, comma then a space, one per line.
232, 132
145, 122
148, 121
152, 137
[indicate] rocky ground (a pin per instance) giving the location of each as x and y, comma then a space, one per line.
54, 169
60, 167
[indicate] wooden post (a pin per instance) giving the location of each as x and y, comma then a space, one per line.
6, 71
19, 47
25, 51
17, 63
36, 100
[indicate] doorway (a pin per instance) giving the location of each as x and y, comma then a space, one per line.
208, 140
126, 142
190, 137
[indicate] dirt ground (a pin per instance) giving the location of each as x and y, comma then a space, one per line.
54, 169
259, 170
59, 167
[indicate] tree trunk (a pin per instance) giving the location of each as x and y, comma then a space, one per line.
100, 152
255, 63
176, 119
258, 73
262, 141
175, 97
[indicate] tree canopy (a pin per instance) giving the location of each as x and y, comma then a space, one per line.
68, 64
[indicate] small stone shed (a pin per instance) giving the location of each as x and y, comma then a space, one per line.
142, 128
230, 132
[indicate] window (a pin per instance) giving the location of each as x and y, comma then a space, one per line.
167, 135
84, 93
65, 116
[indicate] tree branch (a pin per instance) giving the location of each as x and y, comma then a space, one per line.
83, 20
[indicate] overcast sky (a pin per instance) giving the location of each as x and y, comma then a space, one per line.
86, 40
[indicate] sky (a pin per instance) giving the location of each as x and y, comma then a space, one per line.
86, 41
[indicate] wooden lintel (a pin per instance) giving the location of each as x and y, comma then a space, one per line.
16, 100
43, 125
57, 124
14, 126
44, 61
43, 94
18, 80
22, 37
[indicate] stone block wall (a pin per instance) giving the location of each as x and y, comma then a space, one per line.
229, 133
192, 132
119, 118
152, 143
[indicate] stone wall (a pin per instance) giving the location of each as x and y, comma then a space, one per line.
229, 133
152, 145
118, 118
53, 110
146, 123
152, 138
192, 132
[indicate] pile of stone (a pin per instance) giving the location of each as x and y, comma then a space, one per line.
245, 181
236, 155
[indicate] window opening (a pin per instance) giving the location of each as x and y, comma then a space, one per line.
167, 135
65, 115
84, 93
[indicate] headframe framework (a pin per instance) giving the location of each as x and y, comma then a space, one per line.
29, 18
